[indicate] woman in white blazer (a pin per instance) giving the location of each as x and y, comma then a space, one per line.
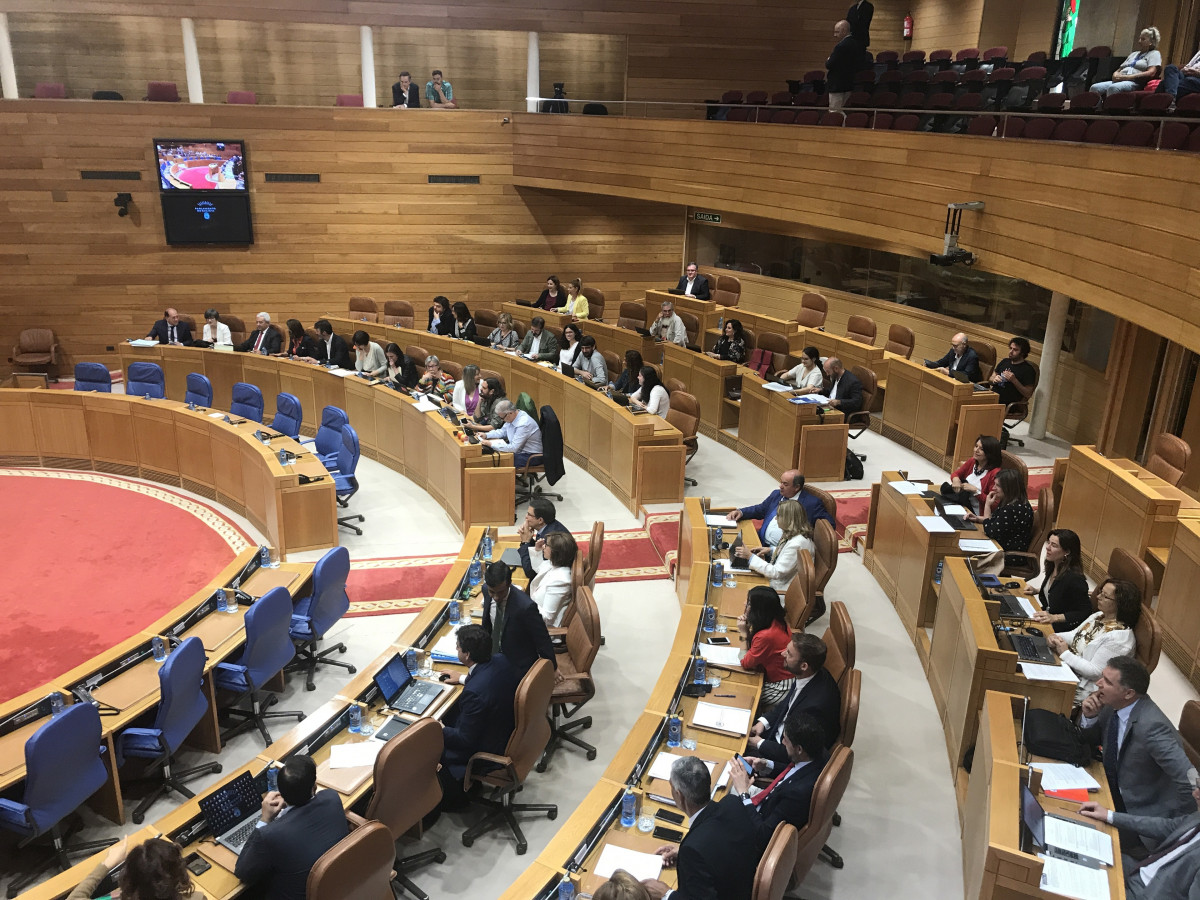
1100, 636
551, 586
780, 564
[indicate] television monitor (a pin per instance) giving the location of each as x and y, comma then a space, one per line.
202, 188
200, 165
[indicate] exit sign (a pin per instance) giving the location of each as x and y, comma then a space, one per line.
707, 217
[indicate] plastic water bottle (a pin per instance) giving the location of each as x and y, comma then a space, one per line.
487, 546
191, 405
674, 731
410, 661
159, 647
718, 574
283, 458
566, 890
229, 601
701, 674
56, 703
453, 612
937, 576
264, 556
475, 574
355, 719
710, 619
272, 779
628, 808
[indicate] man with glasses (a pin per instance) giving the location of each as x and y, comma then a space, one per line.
961, 358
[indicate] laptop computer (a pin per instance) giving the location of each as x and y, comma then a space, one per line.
958, 523
567, 369
511, 558
1033, 648
1033, 833
644, 332
403, 693
232, 810
736, 562
960, 375
1010, 606
390, 729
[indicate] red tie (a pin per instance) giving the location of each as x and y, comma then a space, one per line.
258, 343
762, 795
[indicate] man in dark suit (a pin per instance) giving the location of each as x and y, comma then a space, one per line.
332, 349
791, 487
717, 857
693, 284
405, 94
1173, 870
788, 797
961, 358
540, 521
859, 16
482, 718
814, 692
1145, 763
513, 620
843, 64
845, 390
169, 330
264, 339
298, 825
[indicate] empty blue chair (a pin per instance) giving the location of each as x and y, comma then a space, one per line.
181, 706
247, 402
199, 390
268, 649
145, 378
328, 442
62, 769
345, 485
319, 611
288, 415
93, 377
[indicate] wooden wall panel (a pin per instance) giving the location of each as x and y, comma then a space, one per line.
951, 26
1035, 28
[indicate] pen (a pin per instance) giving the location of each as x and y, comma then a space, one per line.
727, 696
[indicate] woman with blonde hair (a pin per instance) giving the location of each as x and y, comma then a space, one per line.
784, 558
504, 336
1142, 65
577, 305
621, 886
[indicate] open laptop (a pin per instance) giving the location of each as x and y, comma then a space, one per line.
644, 332
958, 523
960, 375
403, 693
1034, 840
232, 811
1033, 648
567, 369
736, 562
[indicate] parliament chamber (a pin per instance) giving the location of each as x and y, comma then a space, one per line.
1084, 249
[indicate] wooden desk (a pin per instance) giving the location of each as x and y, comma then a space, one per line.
708, 380
526, 314
777, 435
756, 322
1113, 503
707, 312
852, 353
1178, 609
620, 340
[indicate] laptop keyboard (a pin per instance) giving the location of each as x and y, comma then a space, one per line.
418, 697
239, 837
1025, 646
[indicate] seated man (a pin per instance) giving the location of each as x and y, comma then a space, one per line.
693, 284
589, 365
481, 720
490, 393
1179, 81
540, 520
539, 343
169, 330
1146, 766
332, 349
513, 620
518, 433
439, 93
405, 94
960, 358
845, 390
788, 797
298, 825
814, 691
264, 339
1014, 378
717, 857
791, 487
668, 327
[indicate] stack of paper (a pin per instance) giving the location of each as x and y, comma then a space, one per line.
640, 865
729, 719
143, 342
776, 387
1066, 777
811, 398
1071, 880
979, 545
906, 487
350, 756
1079, 838
719, 521
722, 656
935, 524
424, 404
1037, 672
446, 649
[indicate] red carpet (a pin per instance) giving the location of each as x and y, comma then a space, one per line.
93, 559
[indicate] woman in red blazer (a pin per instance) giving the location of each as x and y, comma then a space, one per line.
971, 482
765, 634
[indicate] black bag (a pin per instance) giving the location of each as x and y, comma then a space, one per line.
1054, 735
854, 467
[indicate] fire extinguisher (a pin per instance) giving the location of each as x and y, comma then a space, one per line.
908, 27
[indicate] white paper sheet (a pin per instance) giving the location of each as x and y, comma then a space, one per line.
953, 509
977, 545
731, 719
424, 404
661, 767
446, 648
776, 387
217, 415
719, 521
143, 342
351, 756
1071, 880
1038, 672
640, 865
1065, 777
906, 487
1078, 838
723, 780
722, 656
935, 524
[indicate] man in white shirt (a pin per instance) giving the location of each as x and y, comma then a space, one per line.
519, 434
669, 327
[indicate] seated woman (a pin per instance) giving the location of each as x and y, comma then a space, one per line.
780, 563
731, 346
627, 383
299, 345
1139, 67
576, 305
490, 393
401, 369
551, 586
1101, 636
807, 376
368, 356
971, 482
571, 335
765, 632
441, 320
1063, 591
466, 392
651, 395
435, 381
215, 331
504, 336
153, 869
464, 325
553, 296
1007, 516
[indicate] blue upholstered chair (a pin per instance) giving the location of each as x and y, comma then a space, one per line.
289, 416
145, 378
328, 442
62, 769
247, 402
315, 614
181, 706
91, 376
199, 390
345, 484
268, 649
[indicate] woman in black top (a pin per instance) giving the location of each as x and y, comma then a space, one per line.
553, 296
732, 344
628, 382
1007, 516
299, 344
401, 369
441, 321
464, 325
1064, 591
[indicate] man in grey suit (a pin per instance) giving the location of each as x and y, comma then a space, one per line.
1145, 763
1172, 872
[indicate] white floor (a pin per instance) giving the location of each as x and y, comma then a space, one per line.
900, 834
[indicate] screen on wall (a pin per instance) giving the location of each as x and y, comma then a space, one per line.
201, 165
202, 187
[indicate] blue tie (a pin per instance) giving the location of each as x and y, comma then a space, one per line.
1110, 761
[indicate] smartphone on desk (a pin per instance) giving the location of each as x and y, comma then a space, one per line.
719, 641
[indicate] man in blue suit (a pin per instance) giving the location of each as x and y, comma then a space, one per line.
513, 621
169, 330
813, 692
791, 484
541, 520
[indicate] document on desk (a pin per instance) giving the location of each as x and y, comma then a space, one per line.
1071, 880
818, 399
1085, 840
353, 755
935, 524
722, 656
728, 719
144, 342
776, 387
1038, 672
719, 521
967, 545
640, 865
906, 487
424, 404
1066, 777
446, 649
661, 767
953, 509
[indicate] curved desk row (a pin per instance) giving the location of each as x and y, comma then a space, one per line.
473, 488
